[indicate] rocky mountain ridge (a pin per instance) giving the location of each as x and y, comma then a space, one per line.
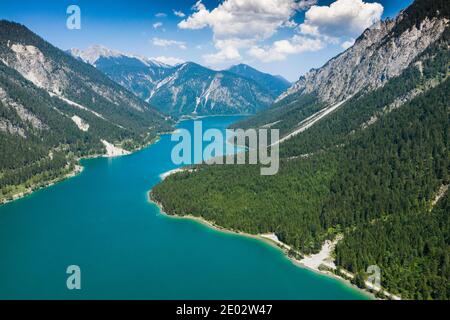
369, 63
187, 88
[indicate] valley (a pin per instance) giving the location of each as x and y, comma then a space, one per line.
376, 160
103, 161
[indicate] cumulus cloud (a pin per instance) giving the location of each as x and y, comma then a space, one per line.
245, 26
280, 49
243, 19
172, 61
227, 54
341, 18
290, 24
227, 50
160, 15
179, 13
167, 43
157, 25
242, 23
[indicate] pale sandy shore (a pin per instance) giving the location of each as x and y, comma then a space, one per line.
323, 261
164, 175
113, 151
315, 262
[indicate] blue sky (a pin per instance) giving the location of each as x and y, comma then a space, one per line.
286, 37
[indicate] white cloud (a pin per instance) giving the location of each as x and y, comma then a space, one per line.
280, 49
228, 50
347, 44
341, 18
246, 25
237, 43
224, 55
238, 24
157, 25
160, 15
167, 43
179, 13
168, 60
244, 18
290, 24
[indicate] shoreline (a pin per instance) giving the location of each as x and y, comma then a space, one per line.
20, 195
77, 170
276, 243
46, 184
165, 175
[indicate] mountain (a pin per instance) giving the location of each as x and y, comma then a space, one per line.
364, 166
193, 89
276, 85
381, 53
188, 88
54, 109
138, 74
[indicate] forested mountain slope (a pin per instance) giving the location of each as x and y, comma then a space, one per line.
374, 171
54, 108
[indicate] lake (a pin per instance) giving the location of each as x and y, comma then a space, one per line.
102, 221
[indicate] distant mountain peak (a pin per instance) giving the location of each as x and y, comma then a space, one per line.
242, 65
275, 83
186, 88
95, 52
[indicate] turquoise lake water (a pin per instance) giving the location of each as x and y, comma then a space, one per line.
102, 221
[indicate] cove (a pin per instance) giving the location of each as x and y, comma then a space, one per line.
102, 221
